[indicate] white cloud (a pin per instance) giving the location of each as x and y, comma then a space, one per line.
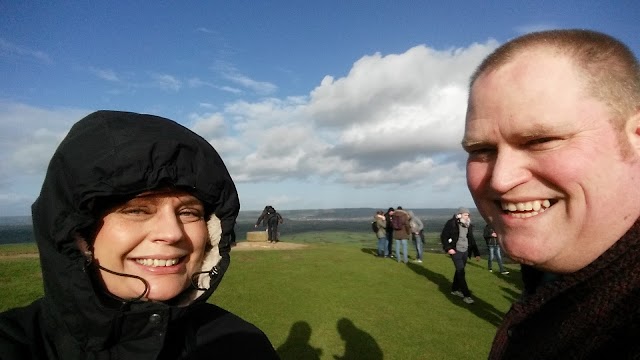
166, 82
20, 51
393, 120
105, 74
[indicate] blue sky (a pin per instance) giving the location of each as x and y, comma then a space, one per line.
325, 104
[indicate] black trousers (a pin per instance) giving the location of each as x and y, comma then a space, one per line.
273, 232
459, 280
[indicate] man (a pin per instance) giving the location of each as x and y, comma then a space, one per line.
493, 248
458, 241
387, 217
272, 219
553, 140
401, 233
417, 234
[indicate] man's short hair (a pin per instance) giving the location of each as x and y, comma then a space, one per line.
612, 72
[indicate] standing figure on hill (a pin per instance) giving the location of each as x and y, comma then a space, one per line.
133, 225
272, 219
401, 233
417, 234
494, 249
381, 233
389, 229
552, 134
458, 241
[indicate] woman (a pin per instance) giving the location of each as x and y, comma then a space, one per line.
133, 225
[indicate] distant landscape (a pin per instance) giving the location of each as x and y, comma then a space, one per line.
18, 229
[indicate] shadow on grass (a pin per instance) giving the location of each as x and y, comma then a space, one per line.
480, 308
514, 277
370, 251
358, 343
297, 344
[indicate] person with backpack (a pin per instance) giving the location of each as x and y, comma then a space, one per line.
272, 219
417, 234
401, 233
379, 227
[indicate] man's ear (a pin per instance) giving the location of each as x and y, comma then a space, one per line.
633, 130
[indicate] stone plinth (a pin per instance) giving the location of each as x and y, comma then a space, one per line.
257, 236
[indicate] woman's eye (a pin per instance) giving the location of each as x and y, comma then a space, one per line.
134, 210
190, 214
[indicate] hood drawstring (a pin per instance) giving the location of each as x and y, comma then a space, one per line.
212, 274
89, 261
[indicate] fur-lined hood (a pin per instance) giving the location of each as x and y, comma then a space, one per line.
117, 154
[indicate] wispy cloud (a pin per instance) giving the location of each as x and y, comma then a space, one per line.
105, 74
11, 49
166, 82
260, 87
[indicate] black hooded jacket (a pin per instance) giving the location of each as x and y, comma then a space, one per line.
112, 154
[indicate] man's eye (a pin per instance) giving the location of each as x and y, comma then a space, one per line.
481, 153
542, 142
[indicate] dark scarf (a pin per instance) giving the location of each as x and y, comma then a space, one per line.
593, 313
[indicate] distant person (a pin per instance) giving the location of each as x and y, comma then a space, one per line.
493, 247
387, 217
263, 216
417, 234
381, 233
133, 224
401, 233
458, 241
272, 219
553, 140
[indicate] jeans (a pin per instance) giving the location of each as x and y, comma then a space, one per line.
417, 241
382, 246
494, 251
389, 242
459, 280
402, 242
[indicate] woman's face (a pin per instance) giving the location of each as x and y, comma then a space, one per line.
159, 236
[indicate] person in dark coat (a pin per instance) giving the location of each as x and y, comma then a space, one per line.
458, 241
133, 226
271, 219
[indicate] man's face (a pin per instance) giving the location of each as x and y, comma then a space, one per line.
159, 236
544, 164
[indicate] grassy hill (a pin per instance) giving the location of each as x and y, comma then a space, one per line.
340, 295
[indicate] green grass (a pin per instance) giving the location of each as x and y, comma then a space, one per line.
405, 310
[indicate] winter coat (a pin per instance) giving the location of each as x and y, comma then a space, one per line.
486, 233
451, 232
405, 230
592, 313
416, 224
116, 155
382, 225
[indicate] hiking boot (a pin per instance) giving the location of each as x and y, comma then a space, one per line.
457, 293
468, 300
505, 273
490, 270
